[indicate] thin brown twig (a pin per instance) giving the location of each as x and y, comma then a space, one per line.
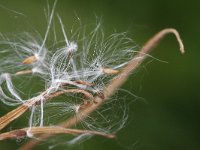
84, 82
115, 84
14, 114
35, 131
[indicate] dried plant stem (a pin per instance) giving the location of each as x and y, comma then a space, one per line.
138, 59
14, 114
35, 131
115, 84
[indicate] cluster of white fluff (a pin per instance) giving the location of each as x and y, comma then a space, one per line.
83, 56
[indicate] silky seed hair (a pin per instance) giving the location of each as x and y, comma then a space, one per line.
83, 61
76, 75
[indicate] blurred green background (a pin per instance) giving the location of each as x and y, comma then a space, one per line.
169, 119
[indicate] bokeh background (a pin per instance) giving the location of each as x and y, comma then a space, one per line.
169, 117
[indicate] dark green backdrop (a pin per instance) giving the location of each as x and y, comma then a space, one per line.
169, 120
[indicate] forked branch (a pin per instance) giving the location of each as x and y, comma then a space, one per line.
115, 84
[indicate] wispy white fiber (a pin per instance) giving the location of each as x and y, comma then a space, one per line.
5, 77
77, 62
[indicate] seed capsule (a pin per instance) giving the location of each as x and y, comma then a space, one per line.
110, 71
23, 72
30, 60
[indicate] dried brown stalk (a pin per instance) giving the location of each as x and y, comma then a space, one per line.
12, 115
115, 84
122, 77
87, 107
35, 131
84, 83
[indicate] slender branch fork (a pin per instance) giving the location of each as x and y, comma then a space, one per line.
45, 132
